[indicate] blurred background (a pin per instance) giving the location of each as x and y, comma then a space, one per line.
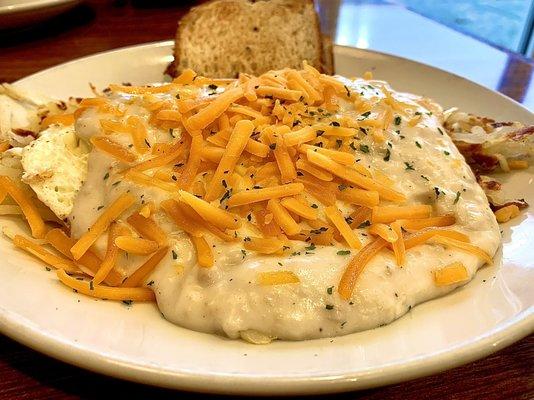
490, 42
507, 24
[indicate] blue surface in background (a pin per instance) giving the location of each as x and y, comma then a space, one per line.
500, 22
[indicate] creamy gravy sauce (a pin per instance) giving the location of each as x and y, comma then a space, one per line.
227, 299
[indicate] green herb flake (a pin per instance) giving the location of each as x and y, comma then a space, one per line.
106, 176
388, 155
174, 255
329, 307
397, 120
409, 167
458, 194
343, 252
364, 148
330, 290
418, 144
364, 224
310, 247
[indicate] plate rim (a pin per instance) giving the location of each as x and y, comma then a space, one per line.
506, 333
33, 5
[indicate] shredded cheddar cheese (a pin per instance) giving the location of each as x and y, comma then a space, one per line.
274, 156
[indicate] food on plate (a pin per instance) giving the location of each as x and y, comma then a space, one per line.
290, 205
489, 146
224, 38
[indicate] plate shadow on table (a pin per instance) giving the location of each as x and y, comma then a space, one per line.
29, 374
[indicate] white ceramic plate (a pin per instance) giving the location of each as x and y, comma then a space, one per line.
136, 343
18, 13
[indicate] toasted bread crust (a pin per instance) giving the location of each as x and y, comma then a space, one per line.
319, 56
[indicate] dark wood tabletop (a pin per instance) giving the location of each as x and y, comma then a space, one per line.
99, 25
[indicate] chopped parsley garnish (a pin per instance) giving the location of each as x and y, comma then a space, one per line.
438, 191
458, 194
366, 114
334, 123
418, 144
244, 252
364, 224
310, 247
343, 252
272, 146
106, 176
329, 307
409, 167
446, 153
314, 206
174, 255
226, 195
99, 208
425, 178
364, 148
351, 145
440, 131
397, 120
330, 290
388, 155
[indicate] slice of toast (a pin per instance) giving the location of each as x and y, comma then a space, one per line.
223, 38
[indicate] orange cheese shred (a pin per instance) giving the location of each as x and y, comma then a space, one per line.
218, 217
104, 292
357, 265
121, 204
63, 243
113, 148
204, 254
461, 245
236, 145
146, 268
399, 248
214, 109
147, 228
272, 192
27, 206
346, 231
283, 218
384, 231
111, 256
44, 255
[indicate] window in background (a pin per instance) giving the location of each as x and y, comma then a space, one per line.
504, 23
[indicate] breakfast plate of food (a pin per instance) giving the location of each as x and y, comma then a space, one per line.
284, 231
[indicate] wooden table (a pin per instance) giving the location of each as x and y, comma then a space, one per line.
100, 25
